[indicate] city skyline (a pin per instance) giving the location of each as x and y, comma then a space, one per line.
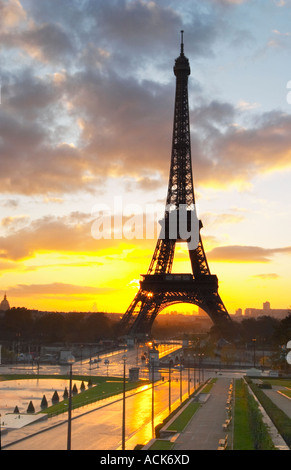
87, 96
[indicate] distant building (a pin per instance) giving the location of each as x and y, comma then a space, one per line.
4, 304
267, 310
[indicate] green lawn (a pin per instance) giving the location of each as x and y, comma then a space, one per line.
277, 381
183, 419
208, 386
242, 439
161, 444
286, 392
279, 418
250, 433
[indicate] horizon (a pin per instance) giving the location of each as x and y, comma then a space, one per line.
168, 311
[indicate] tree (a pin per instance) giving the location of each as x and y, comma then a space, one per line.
55, 398
30, 408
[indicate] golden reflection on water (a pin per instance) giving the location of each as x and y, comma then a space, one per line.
139, 417
142, 406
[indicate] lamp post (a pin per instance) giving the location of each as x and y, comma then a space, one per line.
194, 375
199, 366
123, 405
170, 373
254, 341
188, 375
180, 377
70, 362
202, 367
106, 362
153, 399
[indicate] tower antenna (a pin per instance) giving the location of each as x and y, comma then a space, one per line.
182, 44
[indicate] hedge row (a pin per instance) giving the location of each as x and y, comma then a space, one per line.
279, 418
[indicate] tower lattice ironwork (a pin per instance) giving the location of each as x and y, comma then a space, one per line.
160, 287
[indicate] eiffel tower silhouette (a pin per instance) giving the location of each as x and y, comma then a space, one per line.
160, 287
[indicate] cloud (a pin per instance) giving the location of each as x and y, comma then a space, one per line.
71, 234
224, 218
45, 235
14, 221
245, 254
238, 154
268, 276
8, 266
46, 43
245, 106
281, 34
280, 3
12, 14
230, 2
55, 288
92, 98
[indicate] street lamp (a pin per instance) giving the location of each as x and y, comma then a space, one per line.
123, 404
70, 362
194, 364
181, 377
202, 366
153, 399
170, 373
199, 367
254, 341
188, 375
106, 362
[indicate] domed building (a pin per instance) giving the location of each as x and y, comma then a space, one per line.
4, 304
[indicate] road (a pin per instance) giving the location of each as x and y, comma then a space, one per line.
114, 367
101, 429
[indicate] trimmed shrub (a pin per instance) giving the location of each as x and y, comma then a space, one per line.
44, 403
30, 408
55, 398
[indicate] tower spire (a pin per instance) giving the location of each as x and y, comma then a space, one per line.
182, 43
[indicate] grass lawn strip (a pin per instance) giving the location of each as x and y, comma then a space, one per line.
161, 444
183, 419
242, 435
281, 421
207, 388
286, 393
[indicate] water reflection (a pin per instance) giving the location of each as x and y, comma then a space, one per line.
20, 392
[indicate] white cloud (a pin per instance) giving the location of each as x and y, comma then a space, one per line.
245, 106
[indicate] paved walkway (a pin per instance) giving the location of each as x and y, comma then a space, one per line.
205, 428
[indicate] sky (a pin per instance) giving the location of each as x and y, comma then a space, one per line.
86, 114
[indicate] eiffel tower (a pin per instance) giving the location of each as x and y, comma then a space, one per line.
160, 288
